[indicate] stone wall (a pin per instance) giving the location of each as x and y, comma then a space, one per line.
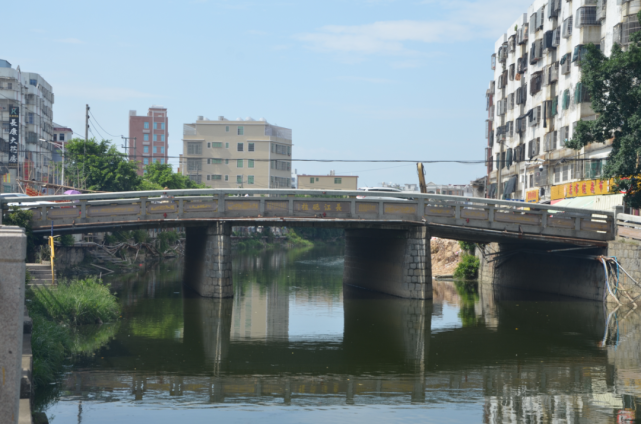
395, 262
69, 257
208, 260
628, 254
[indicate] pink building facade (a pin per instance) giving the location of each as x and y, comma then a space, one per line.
148, 137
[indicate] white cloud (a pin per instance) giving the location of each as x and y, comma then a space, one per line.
464, 20
69, 41
100, 93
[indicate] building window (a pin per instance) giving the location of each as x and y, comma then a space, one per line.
162, 149
33, 82
155, 137
227, 128
216, 161
241, 130
316, 179
338, 181
208, 177
54, 137
239, 163
60, 138
196, 178
250, 179
226, 161
162, 125
30, 118
250, 147
146, 125
155, 149
311, 180
194, 148
145, 137
155, 125
194, 164
226, 145
239, 179
145, 161
162, 161
226, 177
162, 137
145, 149
216, 145
240, 147
250, 163
217, 177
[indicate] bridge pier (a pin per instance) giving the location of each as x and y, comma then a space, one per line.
395, 262
208, 260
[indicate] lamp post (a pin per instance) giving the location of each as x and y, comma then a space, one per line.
59, 144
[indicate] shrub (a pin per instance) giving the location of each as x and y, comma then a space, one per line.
167, 238
297, 240
67, 240
140, 236
50, 343
467, 246
467, 268
76, 302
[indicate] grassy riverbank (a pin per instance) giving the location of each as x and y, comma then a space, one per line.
60, 324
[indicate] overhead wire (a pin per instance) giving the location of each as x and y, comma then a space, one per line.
98, 123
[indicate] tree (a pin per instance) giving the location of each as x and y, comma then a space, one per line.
615, 91
162, 175
101, 168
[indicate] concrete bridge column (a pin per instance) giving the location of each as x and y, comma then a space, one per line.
208, 260
395, 262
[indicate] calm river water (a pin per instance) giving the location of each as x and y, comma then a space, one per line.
294, 346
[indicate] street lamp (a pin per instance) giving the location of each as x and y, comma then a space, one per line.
59, 144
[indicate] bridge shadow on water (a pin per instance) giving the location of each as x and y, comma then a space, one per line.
294, 334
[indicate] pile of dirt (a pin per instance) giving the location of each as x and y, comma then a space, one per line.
445, 256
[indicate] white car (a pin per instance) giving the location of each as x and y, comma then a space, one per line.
383, 190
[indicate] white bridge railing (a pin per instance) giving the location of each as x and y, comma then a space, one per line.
469, 212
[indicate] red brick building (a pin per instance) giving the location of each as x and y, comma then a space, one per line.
148, 137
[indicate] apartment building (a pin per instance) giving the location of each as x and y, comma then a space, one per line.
148, 137
536, 98
26, 101
237, 153
327, 182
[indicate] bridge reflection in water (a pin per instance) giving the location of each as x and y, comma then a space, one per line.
520, 360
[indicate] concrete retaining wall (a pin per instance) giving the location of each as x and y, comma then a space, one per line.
208, 260
69, 257
628, 254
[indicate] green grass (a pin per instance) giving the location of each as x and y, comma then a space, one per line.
76, 302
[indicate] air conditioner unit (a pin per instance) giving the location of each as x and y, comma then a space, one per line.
554, 72
566, 31
565, 64
552, 11
539, 18
601, 8
548, 40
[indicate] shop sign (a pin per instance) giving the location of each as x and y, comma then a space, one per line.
582, 188
532, 196
14, 135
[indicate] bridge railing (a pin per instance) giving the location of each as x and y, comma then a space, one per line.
472, 212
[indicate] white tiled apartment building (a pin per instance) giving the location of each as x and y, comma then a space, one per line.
536, 97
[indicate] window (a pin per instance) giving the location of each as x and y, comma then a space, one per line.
239, 163
227, 128
30, 118
208, 177
194, 164
196, 178
250, 163
226, 161
250, 147
216, 161
54, 137
194, 148
145, 137
162, 125
311, 180
250, 179
338, 181
162, 161
240, 147
226, 145
239, 179
217, 177
33, 82
531, 180
216, 145
155, 125
60, 138
10, 85
162, 149
155, 137
226, 177
145, 161
162, 137
316, 179
146, 125
241, 130
155, 149
145, 149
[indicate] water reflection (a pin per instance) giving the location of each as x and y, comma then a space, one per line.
293, 335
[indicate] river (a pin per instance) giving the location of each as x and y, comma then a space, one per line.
294, 346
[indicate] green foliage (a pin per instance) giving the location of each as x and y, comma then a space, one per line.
100, 166
166, 239
140, 236
615, 91
467, 268
67, 240
49, 343
467, 246
76, 302
468, 293
250, 244
162, 175
22, 218
296, 240
118, 237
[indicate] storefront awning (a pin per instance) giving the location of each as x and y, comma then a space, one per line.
598, 203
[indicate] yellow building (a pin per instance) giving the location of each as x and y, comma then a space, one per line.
234, 154
327, 182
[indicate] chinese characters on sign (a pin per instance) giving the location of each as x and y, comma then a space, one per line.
532, 196
14, 135
582, 188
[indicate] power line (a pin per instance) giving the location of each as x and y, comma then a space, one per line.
96, 121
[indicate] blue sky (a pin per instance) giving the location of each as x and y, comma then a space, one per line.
354, 79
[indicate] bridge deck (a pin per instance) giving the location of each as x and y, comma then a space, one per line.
479, 218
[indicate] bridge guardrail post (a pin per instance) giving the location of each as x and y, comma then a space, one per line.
180, 208
143, 208
261, 206
380, 209
490, 213
420, 210
577, 223
290, 206
221, 202
83, 209
352, 206
457, 212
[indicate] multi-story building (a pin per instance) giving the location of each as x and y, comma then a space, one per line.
236, 154
327, 182
26, 101
536, 97
148, 137
61, 135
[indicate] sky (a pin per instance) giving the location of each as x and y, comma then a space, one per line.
353, 79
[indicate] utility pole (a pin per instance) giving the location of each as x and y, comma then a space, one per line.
86, 138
